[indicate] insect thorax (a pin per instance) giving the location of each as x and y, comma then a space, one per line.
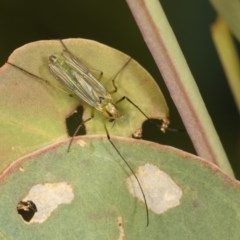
108, 108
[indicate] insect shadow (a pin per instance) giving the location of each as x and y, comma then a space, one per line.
73, 121
79, 80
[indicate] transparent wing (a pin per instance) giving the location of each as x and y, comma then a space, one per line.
79, 66
77, 78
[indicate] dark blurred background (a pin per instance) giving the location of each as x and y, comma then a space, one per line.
111, 22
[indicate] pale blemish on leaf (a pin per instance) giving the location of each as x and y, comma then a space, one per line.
162, 193
81, 143
120, 228
138, 133
47, 197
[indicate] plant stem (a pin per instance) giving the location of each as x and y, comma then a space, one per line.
166, 52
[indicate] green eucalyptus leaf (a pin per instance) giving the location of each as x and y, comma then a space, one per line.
88, 194
33, 113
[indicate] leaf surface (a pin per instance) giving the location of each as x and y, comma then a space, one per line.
101, 205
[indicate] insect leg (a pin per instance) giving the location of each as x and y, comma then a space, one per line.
165, 123
136, 106
131, 170
115, 88
163, 126
77, 129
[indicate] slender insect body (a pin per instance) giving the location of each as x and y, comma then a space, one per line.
80, 81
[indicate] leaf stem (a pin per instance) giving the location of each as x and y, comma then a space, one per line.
167, 54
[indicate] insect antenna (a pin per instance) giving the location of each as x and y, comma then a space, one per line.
63, 44
115, 88
29, 73
38, 78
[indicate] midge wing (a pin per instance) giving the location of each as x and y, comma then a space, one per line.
77, 78
79, 66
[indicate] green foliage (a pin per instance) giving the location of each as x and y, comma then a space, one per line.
208, 208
